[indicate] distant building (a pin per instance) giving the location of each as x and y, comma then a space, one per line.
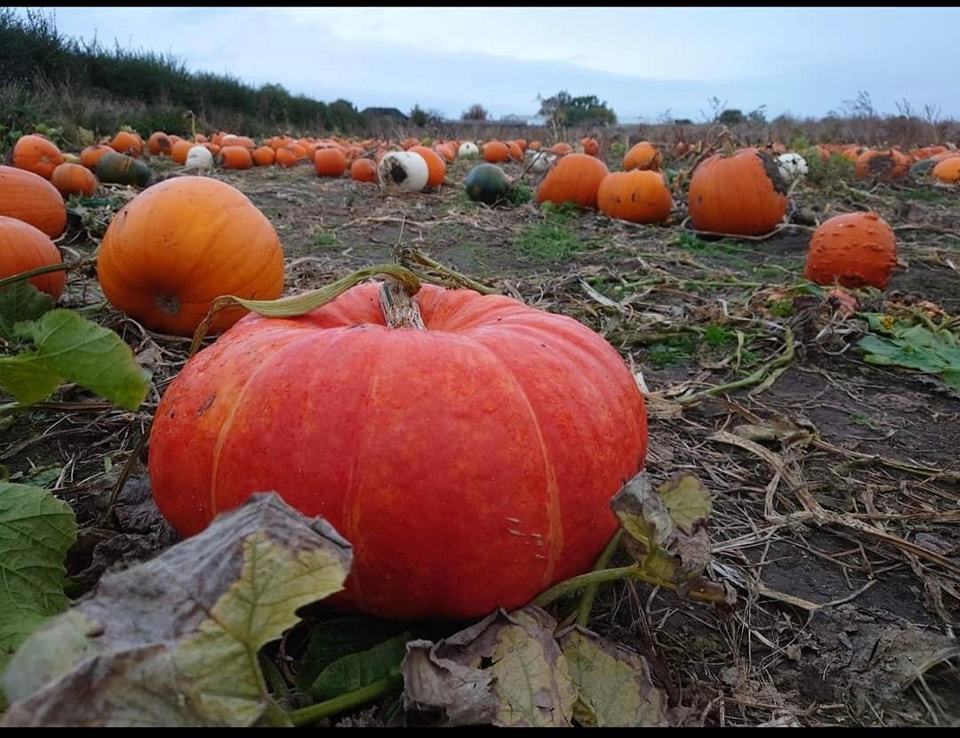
391, 113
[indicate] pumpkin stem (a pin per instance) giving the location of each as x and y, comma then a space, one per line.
399, 309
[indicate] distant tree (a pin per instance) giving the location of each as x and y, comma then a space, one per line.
418, 116
731, 116
682, 122
565, 110
343, 115
474, 112
758, 116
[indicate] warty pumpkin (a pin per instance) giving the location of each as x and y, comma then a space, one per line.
180, 244
23, 247
36, 154
638, 196
575, 178
74, 179
32, 199
854, 250
470, 464
741, 194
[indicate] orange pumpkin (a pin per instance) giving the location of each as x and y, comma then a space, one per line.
235, 157
638, 196
741, 194
447, 151
495, 152
22, 248
947, 169
377, 418
159, 143
127, 143
90, 156
183, 242
561, 149
363, 170
180, 150
643, 155
436, 168
590, 146
885, 165
243, 141
286, 157
854, 250
575, 178
32, 199
534, 145
74, 179
330, 162
264, 156
516, 153
36, 154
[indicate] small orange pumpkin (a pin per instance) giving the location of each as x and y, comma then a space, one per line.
235, 157
436, 168
561, 149
90, 156
643, 155
885, 165
575, 178
590, 146
23, 247
159, 143
639, 196
495, 152
854, 250
180, 150
32, 199
330, 162
286, 157
36, 154
178, 245
74, 179
363, 170
742, 194
127, 143
264, 156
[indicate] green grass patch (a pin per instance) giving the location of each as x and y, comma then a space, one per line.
553, 238
322, 239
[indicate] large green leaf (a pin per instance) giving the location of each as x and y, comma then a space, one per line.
358, 670
36, 530
74, 349
897, 343
175, 640
21, 301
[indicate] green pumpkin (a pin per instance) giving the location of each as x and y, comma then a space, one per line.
487, 183
922, 167
122, 169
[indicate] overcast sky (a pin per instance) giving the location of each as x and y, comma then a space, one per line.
642, 61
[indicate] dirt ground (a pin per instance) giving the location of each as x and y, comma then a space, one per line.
838, 528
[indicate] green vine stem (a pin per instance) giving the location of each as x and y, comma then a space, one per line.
590, 591
348, 701
49, 268
634, 571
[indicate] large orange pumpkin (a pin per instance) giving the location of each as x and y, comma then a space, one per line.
286, 157
363, 170
470, 464
854, 250
23, 247
183, 242
264, 156
32, 199
947, 169
436, 167
742, 194
330, 162
495, 152
36, 154
74, 179
643, 155
638, 196
575, 178
235, 157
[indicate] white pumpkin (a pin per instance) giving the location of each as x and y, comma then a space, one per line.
792, 167
199, 157
468, 150
539, 161
405, 170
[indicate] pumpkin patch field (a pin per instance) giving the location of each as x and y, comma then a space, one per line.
456, 429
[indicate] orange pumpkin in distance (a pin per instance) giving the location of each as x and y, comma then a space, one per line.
440, 527
22, 248
331, 162
643, 155
363, 170
854, 250
174, 248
